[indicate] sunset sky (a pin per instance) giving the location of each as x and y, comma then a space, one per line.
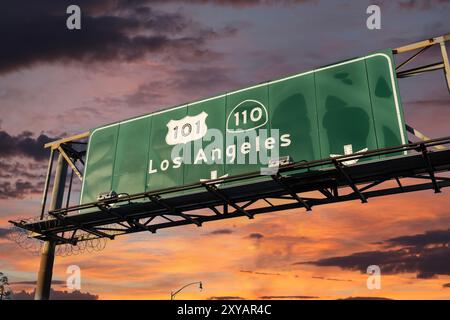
134, 57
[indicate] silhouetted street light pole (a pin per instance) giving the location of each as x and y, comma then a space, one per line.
173, 294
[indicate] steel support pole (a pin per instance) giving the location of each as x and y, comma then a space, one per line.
47, 182
446, 64
45, 273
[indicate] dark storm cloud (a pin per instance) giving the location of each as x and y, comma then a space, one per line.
57, 295
441, 237
426, 263
427, 255
36, 32
18, 189
24, 174
220, 232
4, 232
402, 4
16, 169
256, 236
24, 145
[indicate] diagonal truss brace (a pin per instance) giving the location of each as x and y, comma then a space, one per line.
158, 200
217, 193
70, 162
133, 223
340, 168
423, 46
279, 179
426, 157
422, 136
78, 226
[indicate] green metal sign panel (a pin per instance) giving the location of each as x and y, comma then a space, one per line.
196, 170
344, 108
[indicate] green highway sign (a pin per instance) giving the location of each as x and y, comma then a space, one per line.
344, 108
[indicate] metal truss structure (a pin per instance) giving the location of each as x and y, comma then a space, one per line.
424, 46
406, 168
288, 187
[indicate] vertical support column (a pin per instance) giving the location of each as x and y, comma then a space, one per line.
45, 273
47, 182
446, 63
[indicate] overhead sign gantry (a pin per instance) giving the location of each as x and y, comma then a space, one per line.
336, 133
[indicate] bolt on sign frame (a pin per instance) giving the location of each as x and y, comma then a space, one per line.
305, 183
